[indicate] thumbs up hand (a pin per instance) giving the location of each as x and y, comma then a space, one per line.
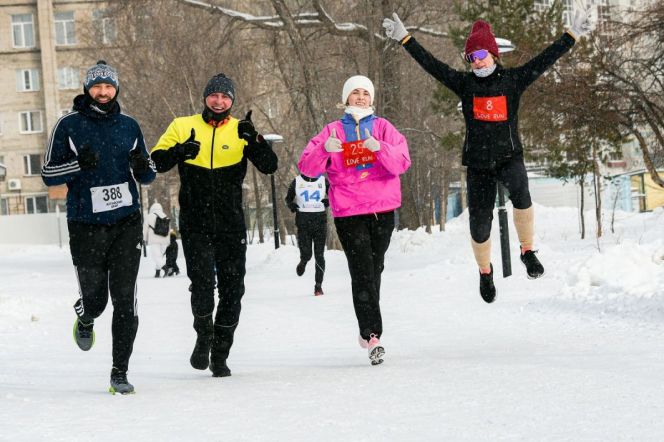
333, 144
246, 129
189, 149
370, 142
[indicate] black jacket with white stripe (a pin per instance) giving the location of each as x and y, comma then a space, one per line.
111, 136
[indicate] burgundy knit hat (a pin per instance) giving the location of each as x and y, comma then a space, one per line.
481, 37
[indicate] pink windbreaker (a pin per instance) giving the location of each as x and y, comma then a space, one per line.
360, 192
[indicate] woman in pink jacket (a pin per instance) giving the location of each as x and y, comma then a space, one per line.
363, 156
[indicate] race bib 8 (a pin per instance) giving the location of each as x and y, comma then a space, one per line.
355, 154
492, 109
105, 198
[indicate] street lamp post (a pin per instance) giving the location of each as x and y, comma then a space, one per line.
271, 139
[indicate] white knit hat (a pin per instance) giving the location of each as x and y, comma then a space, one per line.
355, 82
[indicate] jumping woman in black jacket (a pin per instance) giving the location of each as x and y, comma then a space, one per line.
492, 150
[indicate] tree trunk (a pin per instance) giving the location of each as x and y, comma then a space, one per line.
583, 221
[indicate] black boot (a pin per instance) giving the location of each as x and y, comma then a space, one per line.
156, 273
200, 357
221, 347
487, 289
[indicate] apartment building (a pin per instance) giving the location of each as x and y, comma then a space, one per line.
45, 47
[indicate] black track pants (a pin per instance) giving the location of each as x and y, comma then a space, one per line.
482, 194
106, 259
216, 260
312, 228
365, 239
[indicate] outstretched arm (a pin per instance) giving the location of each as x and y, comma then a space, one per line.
396, 30
534, 68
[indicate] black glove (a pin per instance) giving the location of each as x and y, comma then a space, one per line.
87, 158
138, 163
246, 129
189, 149
293, 207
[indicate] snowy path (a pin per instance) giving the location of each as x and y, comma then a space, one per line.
551, 359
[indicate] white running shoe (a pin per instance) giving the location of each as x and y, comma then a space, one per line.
376, 350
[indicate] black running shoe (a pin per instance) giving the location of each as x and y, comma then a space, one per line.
534, 268
84, 334
487, 289
300, 268
119, 382
318, 290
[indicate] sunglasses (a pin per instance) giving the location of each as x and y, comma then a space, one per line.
480, 54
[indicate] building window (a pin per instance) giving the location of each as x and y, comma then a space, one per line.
104, 26
23, 31
32, 164
27, 80
4, 206
36, 204
68, 78
65, 32
30, 122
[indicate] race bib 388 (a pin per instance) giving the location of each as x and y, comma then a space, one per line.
105, 198
490, 108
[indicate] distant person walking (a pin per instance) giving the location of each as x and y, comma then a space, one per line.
156, 229
307, 198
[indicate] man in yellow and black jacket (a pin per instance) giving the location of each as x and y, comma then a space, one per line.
211, 150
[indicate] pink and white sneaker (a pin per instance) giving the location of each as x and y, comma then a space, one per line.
376, 350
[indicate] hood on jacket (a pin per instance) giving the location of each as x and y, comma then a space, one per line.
156, 208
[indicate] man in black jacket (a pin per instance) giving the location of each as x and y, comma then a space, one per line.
492, 150
99, 153
211, 150
307, 198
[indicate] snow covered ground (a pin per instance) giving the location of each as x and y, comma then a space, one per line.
576, 355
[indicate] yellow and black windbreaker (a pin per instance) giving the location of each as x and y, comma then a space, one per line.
211, 184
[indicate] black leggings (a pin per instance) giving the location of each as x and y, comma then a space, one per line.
312, 228
106, 259
365, 239
482, 194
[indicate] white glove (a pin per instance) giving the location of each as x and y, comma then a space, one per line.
580, 23
370, 142
394, 28
333, 144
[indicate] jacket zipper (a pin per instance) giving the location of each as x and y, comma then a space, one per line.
214, 131
509, 126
